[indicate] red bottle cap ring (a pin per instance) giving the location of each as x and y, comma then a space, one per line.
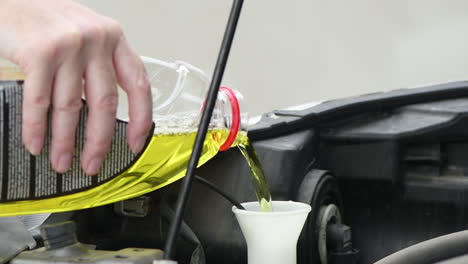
236, 118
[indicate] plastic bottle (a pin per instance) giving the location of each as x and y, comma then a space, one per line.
178, 97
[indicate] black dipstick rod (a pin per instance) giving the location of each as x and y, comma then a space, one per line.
203, 127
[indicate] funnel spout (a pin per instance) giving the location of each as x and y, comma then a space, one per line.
272, 236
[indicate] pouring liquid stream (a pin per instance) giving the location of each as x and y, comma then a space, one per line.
258, 176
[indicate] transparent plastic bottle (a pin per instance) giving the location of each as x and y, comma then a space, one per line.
179, 92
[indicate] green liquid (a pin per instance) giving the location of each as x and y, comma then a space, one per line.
258, 177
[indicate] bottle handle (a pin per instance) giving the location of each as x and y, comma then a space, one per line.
236, 118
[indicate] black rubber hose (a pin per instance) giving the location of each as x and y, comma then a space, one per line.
203, 127
219, 191
430, 251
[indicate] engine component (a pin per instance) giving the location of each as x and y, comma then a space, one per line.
14, 238
61, 246
329, 214
340, 245
135, 207
79, 254
324, 239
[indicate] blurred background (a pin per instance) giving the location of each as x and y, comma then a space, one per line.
292, 52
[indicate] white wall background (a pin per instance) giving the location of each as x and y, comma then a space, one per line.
297, 51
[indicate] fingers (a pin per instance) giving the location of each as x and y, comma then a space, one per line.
66, 106
58, 50
36, 101
132, 77
102, 100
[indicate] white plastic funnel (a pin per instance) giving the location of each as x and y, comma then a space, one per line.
272, 236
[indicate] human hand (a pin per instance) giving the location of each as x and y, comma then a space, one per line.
64, 49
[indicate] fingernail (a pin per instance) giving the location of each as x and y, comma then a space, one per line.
94, 166
138, 146
35, 146
64, 162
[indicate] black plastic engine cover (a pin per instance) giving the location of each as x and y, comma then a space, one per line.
379, 146
400, 160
